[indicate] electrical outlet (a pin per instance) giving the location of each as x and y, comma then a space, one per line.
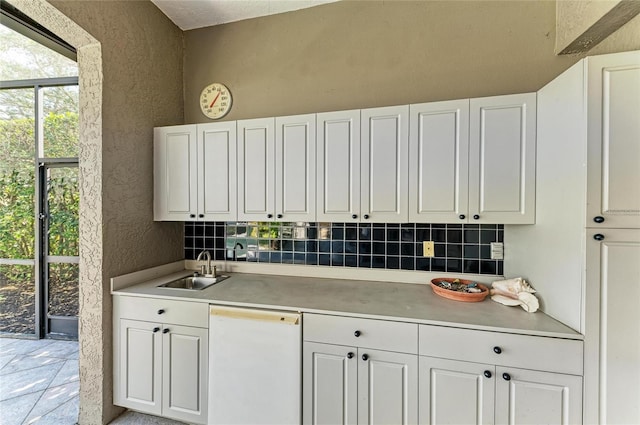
497, 250
427, 249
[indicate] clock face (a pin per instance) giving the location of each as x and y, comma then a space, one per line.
215, 101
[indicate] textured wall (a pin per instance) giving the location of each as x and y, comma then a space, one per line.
130, 63
357, 54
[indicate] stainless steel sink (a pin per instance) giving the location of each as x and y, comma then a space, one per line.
193, 282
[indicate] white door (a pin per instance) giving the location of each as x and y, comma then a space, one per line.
296, 168
140, 372
455, 392
438, 162
502, 150
532, 397
338, 166
613, 134
384, 157
217, 171
329, 384
612, 334
387, 388
185, 371
256, 170
175, 175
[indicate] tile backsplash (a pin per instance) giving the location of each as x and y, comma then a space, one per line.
459, 248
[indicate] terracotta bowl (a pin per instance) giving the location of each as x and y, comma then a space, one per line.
459, 296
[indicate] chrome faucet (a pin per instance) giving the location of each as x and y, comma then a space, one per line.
206, 270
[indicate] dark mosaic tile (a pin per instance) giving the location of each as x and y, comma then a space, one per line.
377, 262
365, 234
299, 246
408, 263
351, 234
423, 264
393, 262
407, 249
324, 259
500, 237
454, 250
500, 269
485, 252
454, 236
351, 260
364, 248
378, 248
438, 265
188, 229
209, 231
471, 236
351, 247
471, 251
488, 267
337, 259
454, 266
337, 246
407, 235
324, 246
439, 235
440, 250
275, 257
487, 236
423, 235
393, 235
312, 246
471, 266
379, 234
364, 261
419, 249
393, 248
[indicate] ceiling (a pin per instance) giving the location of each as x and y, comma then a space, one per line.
191, 14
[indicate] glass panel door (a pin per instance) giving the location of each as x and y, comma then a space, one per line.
60, 239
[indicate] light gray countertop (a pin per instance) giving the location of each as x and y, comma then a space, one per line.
358, 298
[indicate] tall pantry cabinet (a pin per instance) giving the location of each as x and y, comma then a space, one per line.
583, 254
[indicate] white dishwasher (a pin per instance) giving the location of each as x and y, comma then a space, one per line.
254, 366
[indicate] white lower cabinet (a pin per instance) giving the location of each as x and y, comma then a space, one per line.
476, 377
359, 383
456, 392
160, 368
350, 385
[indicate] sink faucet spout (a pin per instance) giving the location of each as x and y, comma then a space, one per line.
207, 257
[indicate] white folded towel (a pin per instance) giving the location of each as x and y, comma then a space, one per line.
515, 292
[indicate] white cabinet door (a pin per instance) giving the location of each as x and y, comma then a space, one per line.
532, 397
175, 173
338, 166
438, 162
455, 392
217, 171
185, 371
296, 168
385, 164
502, 149
256, 170
612, 334
614, 140
139, 384
387, 387
329, 384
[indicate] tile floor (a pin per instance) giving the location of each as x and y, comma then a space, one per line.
39, 384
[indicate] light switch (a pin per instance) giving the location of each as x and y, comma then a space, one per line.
497, 250
427, 249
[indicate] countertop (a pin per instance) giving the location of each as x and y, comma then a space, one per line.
358, 298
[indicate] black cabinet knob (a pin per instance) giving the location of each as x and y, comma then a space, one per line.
506, 376
356, 333
201, 215
279, 216
354, 216
156, 329
598, 237
161, 311
365, 357
269, 215
349, 355
497, 350
487, 374
366, 216
598, 219
476, 217
165, 331
192, 215
462, 216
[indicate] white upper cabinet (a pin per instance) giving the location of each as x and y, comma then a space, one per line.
384, 164
296, 168
502, 149
613, 140
277, 169
438, 162
256, 169
195, 172
217, 171
338, 161
175, 173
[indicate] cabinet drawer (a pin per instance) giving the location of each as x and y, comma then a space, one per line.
173, 312
378, 334
502, 349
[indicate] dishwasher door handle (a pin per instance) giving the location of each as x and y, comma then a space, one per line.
283, 317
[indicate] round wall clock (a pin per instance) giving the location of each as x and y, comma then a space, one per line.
215, 101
